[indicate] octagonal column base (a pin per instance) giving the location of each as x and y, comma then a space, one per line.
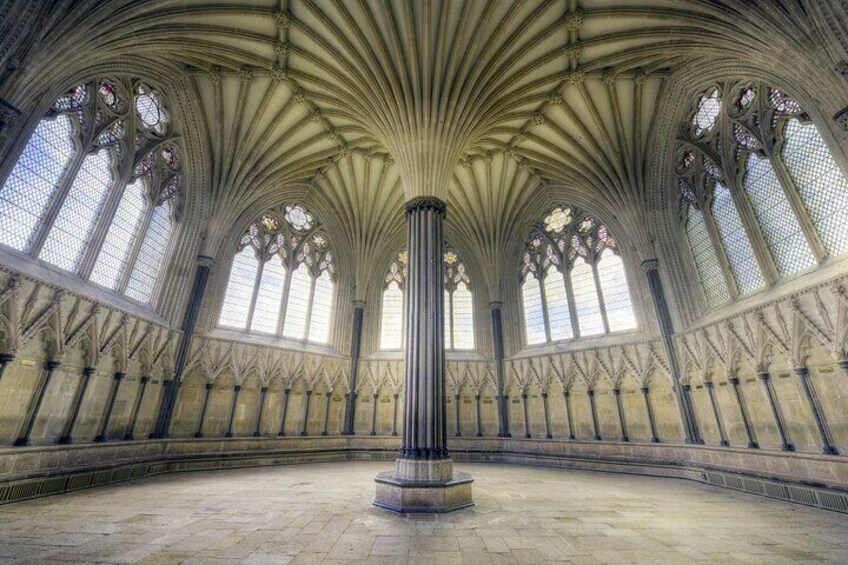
438, 494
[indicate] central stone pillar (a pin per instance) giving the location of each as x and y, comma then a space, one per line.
423, 479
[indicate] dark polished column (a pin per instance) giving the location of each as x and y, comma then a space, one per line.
743, 409
567, 395
548, 434
477, 415
457, 431
527, 433
394, 413
236, 391
79, 396
842, 365
329, 396
35, 403
645, 394
139, 399
717, 413
813, 400
765, 378
374, 398
110, 406
172, 387
262, 393
689, 408
621, 424
306, 412
5, 360
595, 426
496, 309
651, 270
355, 349
199, 432
286, 393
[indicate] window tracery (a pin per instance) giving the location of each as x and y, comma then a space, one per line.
761, 195
282, 281
572, 279
97, 187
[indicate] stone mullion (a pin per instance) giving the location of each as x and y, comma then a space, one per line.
818, 414
136, 407
743, 410
309, 305
545, 316
765, 378
650, 410
524, 404
286, 393
595, 426
457, 431
721, 253
572, 305
621, 422
263, 392
284, 301
374, 397
101, 226
568, 417
236, 391
200, 421
306, 412
753, 231
328, 396
135, 249
110, 406
255, 295
79, 396
717, 413
600, 293
57, 199
479, 432
548, 434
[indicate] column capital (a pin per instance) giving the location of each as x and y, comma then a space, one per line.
801, 371
145, 379
52, 365
734, 380
88, 371
119, 376
210, 386
236, 388
6, 358
357, 303
263, 390
426, 203
495, 305
205, 261
649, 265
708, 385
616, 391
764, 375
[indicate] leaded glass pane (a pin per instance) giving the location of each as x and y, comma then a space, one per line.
534, 321
151, 255
322, 308
778, 223
72, 229
706, 260
822, 186
269, 297
586, 304
391, 326
463, 318
26, 193
556, 302
298, 304
743, 263
112, 259
239, 290
619, 308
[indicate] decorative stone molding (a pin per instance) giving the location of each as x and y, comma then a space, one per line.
426, 203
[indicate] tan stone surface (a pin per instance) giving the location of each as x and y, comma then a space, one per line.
323, 514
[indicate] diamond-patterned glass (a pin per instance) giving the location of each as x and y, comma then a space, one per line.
619, 308
269, 296
780, 227
114, 253
448, 315
743, 263
556, 302
822, 186
534, 320
151, 255
239, 290
72, 229
463, 318
586, 304
322, 309
26, 193
391, 325
706, 260
298, 304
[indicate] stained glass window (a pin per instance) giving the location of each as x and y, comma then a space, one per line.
289, 291
570, 259
94, 190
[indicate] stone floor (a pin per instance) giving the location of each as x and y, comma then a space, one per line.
322, 514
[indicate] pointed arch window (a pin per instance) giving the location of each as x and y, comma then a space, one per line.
573, 282
282, 280
97, 187
458, 304
762, 197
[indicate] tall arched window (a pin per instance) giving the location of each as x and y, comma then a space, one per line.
572, 279
761, 195
96, 188
282, 278
459, 304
